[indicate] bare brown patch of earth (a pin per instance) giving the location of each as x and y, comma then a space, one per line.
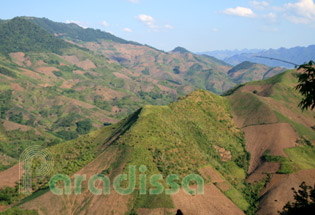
213, 201
278, 192
274, 137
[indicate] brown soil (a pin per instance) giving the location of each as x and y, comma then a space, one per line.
16, 87
261, 172
274, 137
262, 90
287, 110
209, 173
279, 190
156, 211
10, 176
86, 203
211, 202
19, 59
120, 75
78, 72
47, 71
10, 126
86, 64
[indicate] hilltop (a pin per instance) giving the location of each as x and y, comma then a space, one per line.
60, 81
251, 147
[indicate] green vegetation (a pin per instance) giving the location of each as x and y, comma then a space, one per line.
306, 85
7, 72
84, 127
302, 130
19, 34
8, 195
303, 156
18, 211
74, 32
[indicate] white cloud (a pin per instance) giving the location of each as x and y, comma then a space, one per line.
127, 30
240, 11
134, 1
105, 24
151, 23
76, 22
300, 12
146, 19
271, 17
168, 26
259, 5
215, 30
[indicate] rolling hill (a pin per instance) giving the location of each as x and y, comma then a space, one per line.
248, 71
60, 81
251, 146
101, 103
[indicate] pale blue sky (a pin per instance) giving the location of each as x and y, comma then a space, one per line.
198, 25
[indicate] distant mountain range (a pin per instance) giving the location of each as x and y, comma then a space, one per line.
296, 55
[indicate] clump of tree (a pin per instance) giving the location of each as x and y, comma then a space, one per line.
306, 85
84, 127
304, 203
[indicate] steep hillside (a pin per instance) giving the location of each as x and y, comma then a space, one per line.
197, 134
248, 71
279, 136
193, 135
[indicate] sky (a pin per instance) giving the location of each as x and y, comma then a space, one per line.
197, 25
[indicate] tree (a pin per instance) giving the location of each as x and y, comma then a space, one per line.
304, 201
84, 127
306, 85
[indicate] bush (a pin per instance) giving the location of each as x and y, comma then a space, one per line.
67, 135
84, 127
18, 118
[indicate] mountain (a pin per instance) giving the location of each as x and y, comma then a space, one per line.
56, 88
248, 71
100, 104
296, 55
223, 54
21, 35
251, 146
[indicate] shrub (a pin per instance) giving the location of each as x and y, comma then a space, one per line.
84, 127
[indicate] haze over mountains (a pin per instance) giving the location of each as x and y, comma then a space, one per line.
296, 55
100, 103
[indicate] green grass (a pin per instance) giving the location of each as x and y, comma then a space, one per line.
18, 211
302, 130
303, 156
237, 198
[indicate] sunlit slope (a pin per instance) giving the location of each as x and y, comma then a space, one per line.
279, 136
196, 134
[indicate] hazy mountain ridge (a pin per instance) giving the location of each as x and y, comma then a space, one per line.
296, 55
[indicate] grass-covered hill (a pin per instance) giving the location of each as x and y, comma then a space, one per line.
196, 134
251, 146
279, 136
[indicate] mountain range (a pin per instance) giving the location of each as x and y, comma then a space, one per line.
295, 56
101, 104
